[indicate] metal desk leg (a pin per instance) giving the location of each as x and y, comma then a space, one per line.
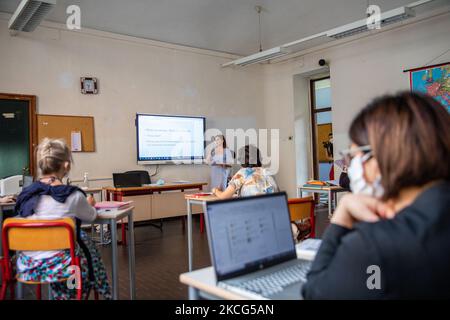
334, 195
131, 261
330, 200
115, 275
92, 230
49, 290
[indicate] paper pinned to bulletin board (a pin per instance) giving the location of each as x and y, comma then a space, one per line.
434, 81
76, 141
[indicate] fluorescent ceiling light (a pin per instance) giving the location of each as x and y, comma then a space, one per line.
356, 27
259, 57
29, 14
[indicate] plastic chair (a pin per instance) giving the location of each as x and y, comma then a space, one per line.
36, 235
303, 208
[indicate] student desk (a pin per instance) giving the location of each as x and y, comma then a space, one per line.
111, 218
93, 191
194, 200
330, 191
203, 283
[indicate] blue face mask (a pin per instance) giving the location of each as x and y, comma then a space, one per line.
358, 184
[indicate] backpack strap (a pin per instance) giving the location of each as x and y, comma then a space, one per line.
85, 249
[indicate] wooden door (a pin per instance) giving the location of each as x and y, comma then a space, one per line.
17, 134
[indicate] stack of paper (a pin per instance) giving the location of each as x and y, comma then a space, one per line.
108, 206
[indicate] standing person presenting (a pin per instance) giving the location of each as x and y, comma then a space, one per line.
221, 160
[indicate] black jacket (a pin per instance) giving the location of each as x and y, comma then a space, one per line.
412, 252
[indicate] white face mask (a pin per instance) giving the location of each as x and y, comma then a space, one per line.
358, 184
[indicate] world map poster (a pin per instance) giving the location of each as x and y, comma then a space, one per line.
434, 81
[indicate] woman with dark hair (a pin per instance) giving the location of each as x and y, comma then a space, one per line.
252, 179
390, 239
221, 160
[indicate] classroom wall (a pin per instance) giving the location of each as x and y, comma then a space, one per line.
135, 75
359, 70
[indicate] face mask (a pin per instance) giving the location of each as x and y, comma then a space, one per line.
358, 184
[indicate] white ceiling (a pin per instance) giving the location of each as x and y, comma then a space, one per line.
221, 25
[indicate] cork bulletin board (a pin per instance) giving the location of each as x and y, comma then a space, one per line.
59, 126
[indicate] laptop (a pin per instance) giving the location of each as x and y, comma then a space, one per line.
126, 180
252, 247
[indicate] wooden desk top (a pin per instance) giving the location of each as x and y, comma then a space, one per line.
8, 204
92, 190
205, 280
164, 187
201, 198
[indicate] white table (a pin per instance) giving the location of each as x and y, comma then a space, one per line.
193, 200
4, 206
203, 282
111, 219
328, 190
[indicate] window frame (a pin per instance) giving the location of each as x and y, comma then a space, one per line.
313, 112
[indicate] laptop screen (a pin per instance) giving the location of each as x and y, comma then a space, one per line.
124, 180
249, 233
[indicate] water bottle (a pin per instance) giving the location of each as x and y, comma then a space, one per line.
86, 180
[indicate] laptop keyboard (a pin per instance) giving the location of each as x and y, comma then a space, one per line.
273, 283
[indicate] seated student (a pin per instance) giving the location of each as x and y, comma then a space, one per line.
47, 199
390, 239
251, 179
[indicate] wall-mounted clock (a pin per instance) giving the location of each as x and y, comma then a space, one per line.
89, 85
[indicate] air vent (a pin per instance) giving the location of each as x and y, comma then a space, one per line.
29, 14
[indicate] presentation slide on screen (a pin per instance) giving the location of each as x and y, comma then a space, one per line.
170, 138
249, 231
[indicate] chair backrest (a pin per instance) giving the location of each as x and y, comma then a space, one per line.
145, 177
301, 208
38, 235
